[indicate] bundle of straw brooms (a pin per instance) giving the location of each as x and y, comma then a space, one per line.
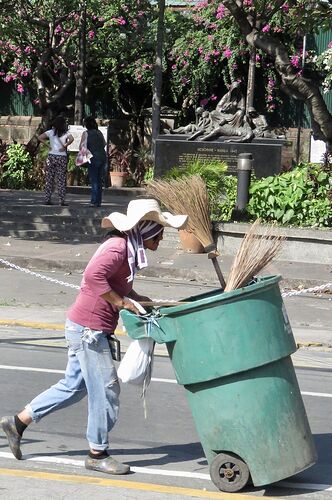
189, 195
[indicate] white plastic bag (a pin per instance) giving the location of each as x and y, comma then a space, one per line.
136, 365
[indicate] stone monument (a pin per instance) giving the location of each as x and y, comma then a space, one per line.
222, 134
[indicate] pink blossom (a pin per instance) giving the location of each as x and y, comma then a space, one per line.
270, 98
204, 102
216, 53
140, 13
271, 83
200, 50
36, 101
20, 88
258, 57
285, 7
213, 97
227, 53
58, 29
201, 5
186, 53
277, 29
207, 57
247, 3
27, 50
295, 61
330, 44
174, 67
121, 20
91, 34
220, 11
266, 28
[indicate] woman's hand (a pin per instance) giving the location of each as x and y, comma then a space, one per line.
127, 304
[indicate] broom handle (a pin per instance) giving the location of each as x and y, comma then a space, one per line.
219, 273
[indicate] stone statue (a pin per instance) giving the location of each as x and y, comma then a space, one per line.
228, 119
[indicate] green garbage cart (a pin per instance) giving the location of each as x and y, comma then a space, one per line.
231, 352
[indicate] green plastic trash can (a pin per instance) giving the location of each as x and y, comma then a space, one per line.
231, 351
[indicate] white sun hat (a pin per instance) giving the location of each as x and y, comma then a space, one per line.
143, 209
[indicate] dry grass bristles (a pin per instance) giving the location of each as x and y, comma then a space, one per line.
186, 195
259, 246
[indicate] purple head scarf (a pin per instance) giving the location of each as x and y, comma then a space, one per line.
144, 230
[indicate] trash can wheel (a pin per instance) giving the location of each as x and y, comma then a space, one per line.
229, 472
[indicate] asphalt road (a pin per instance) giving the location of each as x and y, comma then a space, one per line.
165, 442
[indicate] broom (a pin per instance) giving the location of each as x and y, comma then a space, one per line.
189, 195
259, 246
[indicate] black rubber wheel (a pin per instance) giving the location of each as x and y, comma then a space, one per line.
229, 472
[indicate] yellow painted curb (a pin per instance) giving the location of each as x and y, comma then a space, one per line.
129, 485
32, 324
41, 326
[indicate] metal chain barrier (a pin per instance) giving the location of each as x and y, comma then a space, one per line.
291, 293
313, 289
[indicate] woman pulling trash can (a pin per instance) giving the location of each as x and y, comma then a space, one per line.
106, 285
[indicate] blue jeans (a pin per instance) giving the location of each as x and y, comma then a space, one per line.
96, 173
90, 370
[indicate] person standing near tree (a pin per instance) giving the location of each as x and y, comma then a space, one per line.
106, 287
57, 139
95, 142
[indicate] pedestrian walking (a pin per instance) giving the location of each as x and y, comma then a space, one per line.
95, 142
106, 287
58, 139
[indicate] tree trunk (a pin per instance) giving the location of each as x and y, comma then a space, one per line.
251, 79
158, 77
80, 74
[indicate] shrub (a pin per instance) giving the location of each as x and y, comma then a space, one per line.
17, 168
223, 211
299, 197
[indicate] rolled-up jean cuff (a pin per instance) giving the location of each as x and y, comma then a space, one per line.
98, 447
34, 417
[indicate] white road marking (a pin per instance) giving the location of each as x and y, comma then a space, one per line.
80, 463
30, 369
317, 394
164, 380
161, 472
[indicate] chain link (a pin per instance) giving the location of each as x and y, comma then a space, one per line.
291, 293
38, 275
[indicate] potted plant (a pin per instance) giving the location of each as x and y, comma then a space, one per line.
119, 161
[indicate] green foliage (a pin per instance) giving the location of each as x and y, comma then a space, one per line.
301, 197
16, 169
149, 175
224, 209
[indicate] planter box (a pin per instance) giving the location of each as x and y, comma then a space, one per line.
301, 244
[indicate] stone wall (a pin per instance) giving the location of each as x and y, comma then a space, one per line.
288, 156
18, 128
